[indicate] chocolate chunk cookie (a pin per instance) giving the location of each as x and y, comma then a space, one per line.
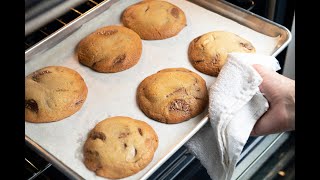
208, 52
154, 20
110, 49
119, 146
172, 95
53, 93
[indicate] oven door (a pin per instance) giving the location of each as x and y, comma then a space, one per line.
253, 161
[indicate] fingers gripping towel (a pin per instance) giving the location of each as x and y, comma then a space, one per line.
235, 104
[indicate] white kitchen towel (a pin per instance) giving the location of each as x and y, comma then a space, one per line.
235, 104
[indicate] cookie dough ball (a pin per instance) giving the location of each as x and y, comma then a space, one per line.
208, 52
53, 93
172, 95
119, 147
154, 20
110, 49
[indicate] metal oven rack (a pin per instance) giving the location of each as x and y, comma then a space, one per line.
36, 166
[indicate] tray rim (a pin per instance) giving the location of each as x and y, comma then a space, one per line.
217, 5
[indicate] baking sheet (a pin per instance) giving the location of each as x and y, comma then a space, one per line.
114, 94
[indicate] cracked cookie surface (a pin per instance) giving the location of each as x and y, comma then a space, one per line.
208, 52
53, 93
119, 147
154, 20
172, 95
110, 49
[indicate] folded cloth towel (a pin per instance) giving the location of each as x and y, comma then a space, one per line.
235, 104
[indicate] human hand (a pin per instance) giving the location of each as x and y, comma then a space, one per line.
280, 93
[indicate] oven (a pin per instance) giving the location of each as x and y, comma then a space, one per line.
270, 156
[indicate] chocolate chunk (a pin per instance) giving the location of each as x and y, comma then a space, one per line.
92, 153
147, 9
140, 131
100, 135
79, 102
175, 12
123, 135
198, 61
36, 75
179, 105
32, 105
119, 59
246, 45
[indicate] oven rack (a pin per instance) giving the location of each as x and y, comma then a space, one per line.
57, 23
36, 167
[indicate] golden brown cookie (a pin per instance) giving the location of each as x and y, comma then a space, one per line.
172, 95
53, 93
154, 20
110, 49
209, 51
119, 146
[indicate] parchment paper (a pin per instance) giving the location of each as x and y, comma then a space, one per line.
113, 94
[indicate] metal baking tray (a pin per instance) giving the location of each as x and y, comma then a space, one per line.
114, 94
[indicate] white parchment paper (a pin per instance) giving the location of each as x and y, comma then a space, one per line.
114, 94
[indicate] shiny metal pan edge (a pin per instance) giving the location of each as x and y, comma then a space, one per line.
52, 159
249, 19
66, 30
